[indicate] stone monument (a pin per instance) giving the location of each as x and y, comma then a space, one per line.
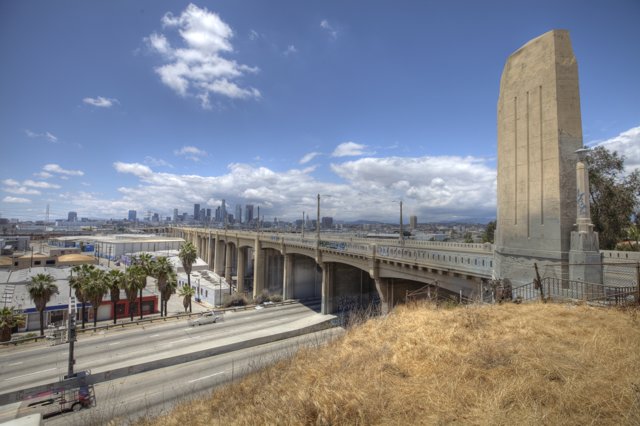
539, 132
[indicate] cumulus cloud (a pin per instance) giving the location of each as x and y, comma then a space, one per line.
348, 149
191, 153
43, 175
46, 135
308, 157
628, 144
40, 184
12, 186
8, 199
55, 168
101, 102
198, 68
158, 162
325, 25
290, 50
430, 184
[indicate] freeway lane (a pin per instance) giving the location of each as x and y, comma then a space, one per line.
155, 392
29, 366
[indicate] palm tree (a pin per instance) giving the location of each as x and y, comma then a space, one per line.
115, 280
169, 289
135, 279
186, 291
188, 256
9, 318
146, 262
77, 284
162, 269
95, 288
40, 289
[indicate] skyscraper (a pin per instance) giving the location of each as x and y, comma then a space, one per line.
196, 211
223, 211
72, 217
238, 213
132, 215
248, 216
175, 215
413, 222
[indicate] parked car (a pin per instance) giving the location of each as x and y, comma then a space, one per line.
206, 318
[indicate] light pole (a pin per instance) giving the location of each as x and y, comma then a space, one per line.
318, 221
401, 224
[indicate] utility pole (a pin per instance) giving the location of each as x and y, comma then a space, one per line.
318, 221
401, 227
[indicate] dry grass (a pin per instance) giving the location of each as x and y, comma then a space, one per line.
497, 365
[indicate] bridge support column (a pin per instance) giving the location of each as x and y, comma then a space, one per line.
287, 277
383, 288
227, 262
242, 261
218, 262
258, 268
210, 252
326, 306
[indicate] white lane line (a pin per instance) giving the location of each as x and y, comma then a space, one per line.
181, 340
115, 343
188, 329
15, 363
155, 335
31, 374
206, 377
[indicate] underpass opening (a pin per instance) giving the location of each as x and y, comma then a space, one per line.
354, 293
306, 281
273, 272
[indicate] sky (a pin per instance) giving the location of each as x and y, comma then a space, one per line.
124, 105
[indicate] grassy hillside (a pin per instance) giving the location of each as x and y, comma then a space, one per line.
509, 364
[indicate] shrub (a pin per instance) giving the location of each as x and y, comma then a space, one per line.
236, 299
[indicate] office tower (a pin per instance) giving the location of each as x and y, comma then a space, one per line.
202, 215
248, 213
326, 222
208, 215
132, 215
175, 215
238, 213
72, 217
413, 222
223, 211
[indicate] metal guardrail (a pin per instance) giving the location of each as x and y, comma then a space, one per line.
146, 320
561, 289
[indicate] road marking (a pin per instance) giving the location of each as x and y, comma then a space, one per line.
206, 377
155, 335
31, 374
181, 340
187, 329
15, 363
115, 343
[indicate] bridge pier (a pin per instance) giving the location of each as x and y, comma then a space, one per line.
227, 262
287, 277
258, 268
218, 262
326, 306
240, 268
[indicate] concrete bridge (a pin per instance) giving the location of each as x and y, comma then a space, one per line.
339, 268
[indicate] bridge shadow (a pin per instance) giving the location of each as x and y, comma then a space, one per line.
313, 303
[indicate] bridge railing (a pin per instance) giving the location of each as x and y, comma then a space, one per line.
562, 289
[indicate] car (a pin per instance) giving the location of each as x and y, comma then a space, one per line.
206, 318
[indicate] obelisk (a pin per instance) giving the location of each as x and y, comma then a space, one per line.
539, 131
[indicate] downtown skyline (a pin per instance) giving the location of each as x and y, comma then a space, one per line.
115, 106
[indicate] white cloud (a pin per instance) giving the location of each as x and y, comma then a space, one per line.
46, 135
101, 102
628, 144
21, 190
191, 153
254, 35
40, 184
157, 162
290, 50
308, 157
11, 182
198, 68
348, 149
135, 169
43, 175
8, 199
324, 24
55, 168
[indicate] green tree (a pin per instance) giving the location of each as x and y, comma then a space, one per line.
188, 256
77, 284
134, 281
468, 238
614, 195
146, 263
41, 289
169, 289
186, 292
115, 281
95, 287
489, 232
9, 318
162, 269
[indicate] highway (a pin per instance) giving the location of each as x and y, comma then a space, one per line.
155, 392
22, 367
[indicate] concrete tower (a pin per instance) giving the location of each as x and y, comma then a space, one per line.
539, 132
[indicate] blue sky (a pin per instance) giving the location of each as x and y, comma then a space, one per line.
146, 105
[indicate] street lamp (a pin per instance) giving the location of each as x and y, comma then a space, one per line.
401, 223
